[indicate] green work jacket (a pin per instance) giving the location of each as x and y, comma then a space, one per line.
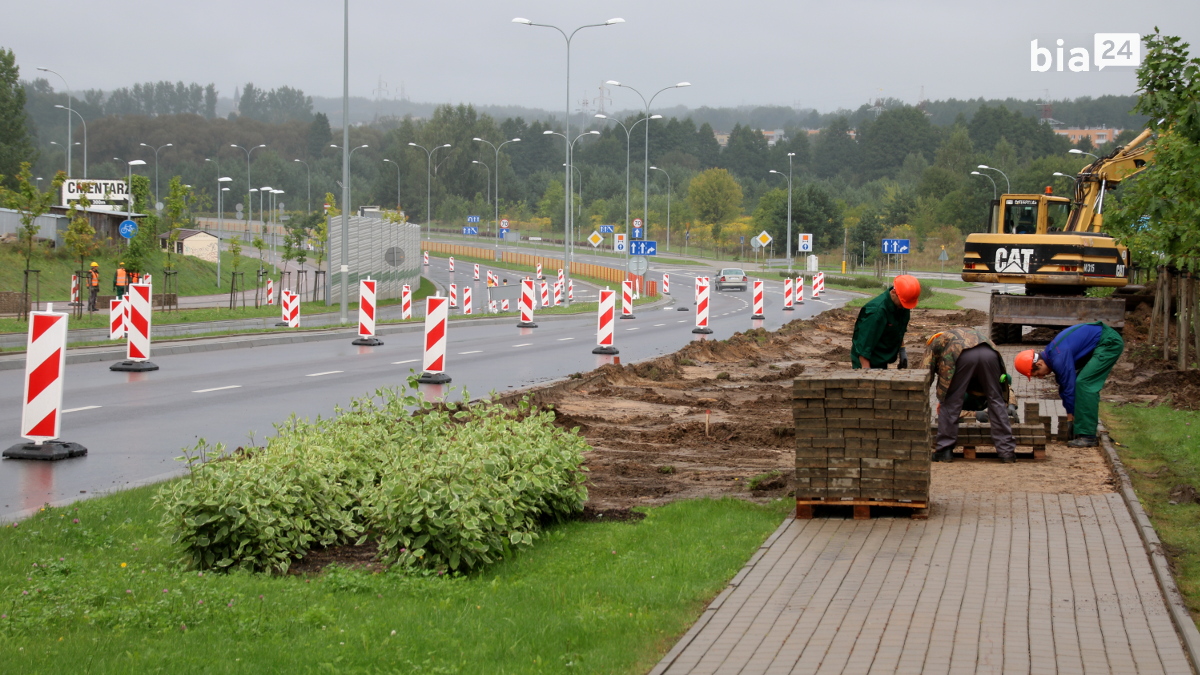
879, 331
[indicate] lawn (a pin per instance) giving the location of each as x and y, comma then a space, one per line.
94, 587
935, 300
1160, 447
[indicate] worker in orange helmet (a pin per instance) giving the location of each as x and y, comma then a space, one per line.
879, 330
1081, 357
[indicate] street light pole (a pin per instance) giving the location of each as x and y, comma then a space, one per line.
129, 187
569, 225
496, 231
655, 168
992, 168
69, 143
567, 128
249, 201
789, 214
995, 196
220, 220
429, 187
489, 177
306, 166
346, 186
168, 145
84, 122
628, 131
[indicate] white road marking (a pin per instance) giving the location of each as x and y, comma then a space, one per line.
400, 363
683, 321
631, 329
86, 407
659, 324
205, 391
328, 372
477, 351
525, 344
565, 339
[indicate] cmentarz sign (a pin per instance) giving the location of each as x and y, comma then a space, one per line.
101, 192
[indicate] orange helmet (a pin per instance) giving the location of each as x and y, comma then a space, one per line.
908, 289
1024, 362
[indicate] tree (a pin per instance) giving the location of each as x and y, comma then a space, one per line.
885, 142
551, 204
177, 194
15, 144
835, 150
144, 249
80, 237
715, 199
319, 135
31, 204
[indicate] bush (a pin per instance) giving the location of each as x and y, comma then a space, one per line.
446, 487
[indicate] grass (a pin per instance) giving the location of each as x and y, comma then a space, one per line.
1160, 447
936, 300
93, 587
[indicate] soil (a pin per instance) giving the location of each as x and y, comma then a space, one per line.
1142, 376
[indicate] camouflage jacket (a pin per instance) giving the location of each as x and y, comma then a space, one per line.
942, 352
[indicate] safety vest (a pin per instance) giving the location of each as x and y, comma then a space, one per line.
136, 277
121, 278
93, 278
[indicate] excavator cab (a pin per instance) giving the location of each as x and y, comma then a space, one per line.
1029, 214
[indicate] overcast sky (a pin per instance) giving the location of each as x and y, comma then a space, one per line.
806, 54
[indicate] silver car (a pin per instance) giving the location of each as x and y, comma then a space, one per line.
731, 277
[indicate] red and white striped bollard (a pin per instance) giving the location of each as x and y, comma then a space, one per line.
539, 270
467, 308
451, 267
787, 295
758, 300
558, 293
406, 302
605, 324
526, 305
817, 286
137, 349
799, 290
702, 306
74, 289
437, 311
41, 401
366, 314
116, 319
270, 292
666, 284
425, 258
545, 295
453, 295
476, 271
570, 290
627, 299
293, 310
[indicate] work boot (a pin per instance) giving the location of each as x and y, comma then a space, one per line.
944, 456
1008, 459
1083, 442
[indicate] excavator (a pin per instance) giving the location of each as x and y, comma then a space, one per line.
1055, 248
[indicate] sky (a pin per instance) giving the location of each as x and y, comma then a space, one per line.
802, 54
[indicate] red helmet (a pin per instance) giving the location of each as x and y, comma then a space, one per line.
1024, 362
908, 289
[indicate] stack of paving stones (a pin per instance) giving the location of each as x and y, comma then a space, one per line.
1032, 433
862, 435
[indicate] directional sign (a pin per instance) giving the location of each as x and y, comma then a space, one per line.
643, 247
595, 239
637, 232
742, 239
805, 243
638, 265
472, 219
470, 230
129, 229
619, 242
606, 229
895, 246
637, 222
763, 238
504, 224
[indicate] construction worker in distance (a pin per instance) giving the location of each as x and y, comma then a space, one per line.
1081, 357
970, 376
121, 280
93, 282
881, 324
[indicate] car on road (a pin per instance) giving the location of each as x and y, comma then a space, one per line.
731, 277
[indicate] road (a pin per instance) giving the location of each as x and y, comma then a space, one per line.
135, 425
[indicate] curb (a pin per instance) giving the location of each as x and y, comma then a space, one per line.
1180, 616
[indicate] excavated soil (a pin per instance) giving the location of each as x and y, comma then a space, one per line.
1142, 376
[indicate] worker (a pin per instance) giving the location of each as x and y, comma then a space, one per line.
970, 376
121, 280
879, 329
1081, 357
93, 282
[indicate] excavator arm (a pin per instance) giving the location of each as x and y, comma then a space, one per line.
1102, 175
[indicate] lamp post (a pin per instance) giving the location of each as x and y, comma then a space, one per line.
249, 201
168, 145
129, 186
496, 231
568, 226
489, 177
1077, 151
995, 196
220, 220
646, 159
397, 181
306, 166
788, 178
628, 131
84, 122
275, 216
655, 168
68, 86
1063, 175
991, 168
567, 123
347, 186
429, 186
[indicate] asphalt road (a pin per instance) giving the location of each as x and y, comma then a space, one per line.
135, 425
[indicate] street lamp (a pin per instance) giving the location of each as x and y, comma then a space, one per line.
68, 86
655, 168
397, 181
991, 168
69, 110
350, 156
306, 166
489, 177
275, 217
168, 145
628, 131
249, 201
129, 187
496, 232
789, 214
569, 225
429, 186
220, 219
646, 159
567, 122
994, 189
1077, 151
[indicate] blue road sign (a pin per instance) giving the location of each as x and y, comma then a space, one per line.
643, 247
742, 239
637, 233
472, 219
895, 246
500, 234
129, 229
606, 229
471, 230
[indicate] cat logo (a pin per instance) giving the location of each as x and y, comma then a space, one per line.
1013, 261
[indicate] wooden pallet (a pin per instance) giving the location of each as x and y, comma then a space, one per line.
862, 507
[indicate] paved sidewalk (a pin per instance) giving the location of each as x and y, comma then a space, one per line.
991, 583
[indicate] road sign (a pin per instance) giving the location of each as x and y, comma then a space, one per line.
504, 224
637, 233
805, 243
754, 243
470, 230
895, 246
943, 256
638, 264
606, 229
637, 222
763, 238
619, 242
643, 247
472, 219
595, 239
129, 229
742, 239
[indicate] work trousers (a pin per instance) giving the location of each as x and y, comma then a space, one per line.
1090, 380
93, 291
977, 368
121, 291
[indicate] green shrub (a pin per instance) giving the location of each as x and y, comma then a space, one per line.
446, 487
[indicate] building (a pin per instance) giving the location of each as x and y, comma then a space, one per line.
105, 221
196, 243
51, 227
1097, 136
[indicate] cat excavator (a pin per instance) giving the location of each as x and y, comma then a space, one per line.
1056, 249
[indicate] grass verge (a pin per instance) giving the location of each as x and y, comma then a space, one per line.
1160, 447
936, 300
94, 588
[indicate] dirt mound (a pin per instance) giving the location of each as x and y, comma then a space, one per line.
788, 373
1182, 388
970, 317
